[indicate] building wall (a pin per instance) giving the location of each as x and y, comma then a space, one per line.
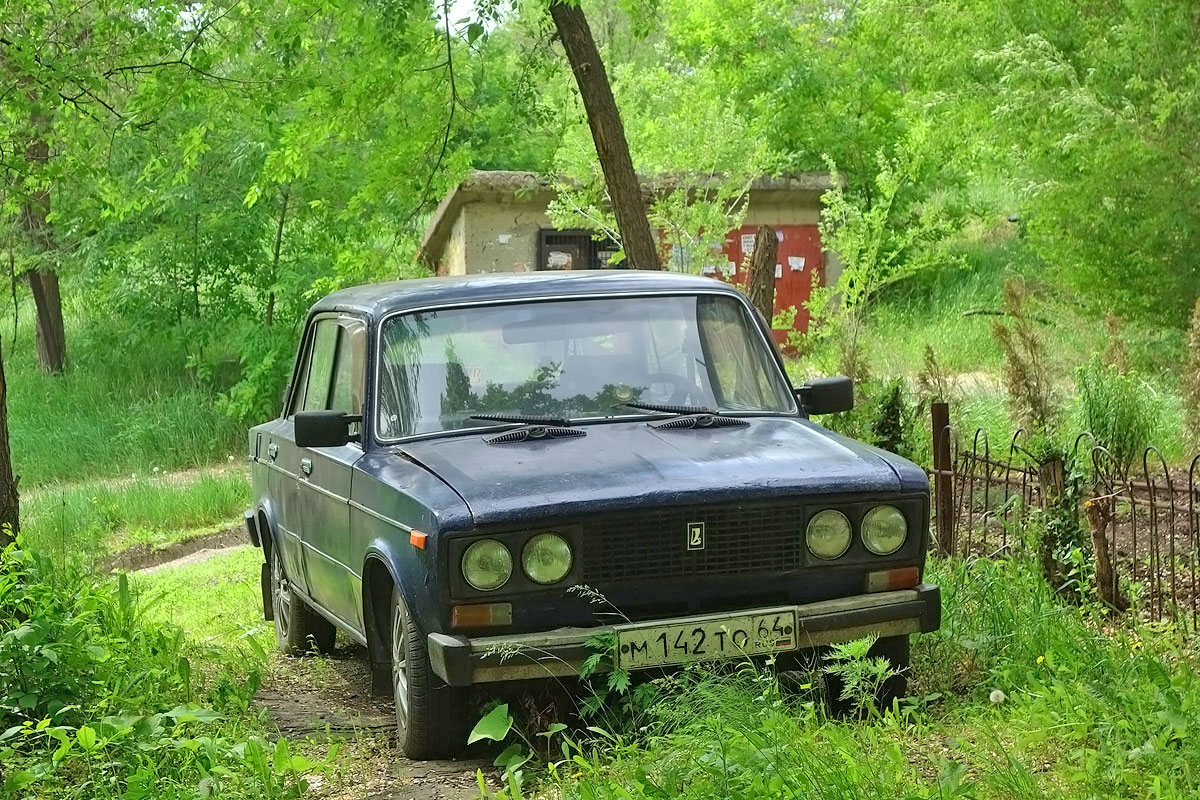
782, 213
454, 257
502, 235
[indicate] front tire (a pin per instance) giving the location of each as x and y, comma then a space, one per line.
298, 629
430, 716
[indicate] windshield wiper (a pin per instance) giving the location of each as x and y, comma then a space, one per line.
529, 426
688, 416
524, 419
667, 408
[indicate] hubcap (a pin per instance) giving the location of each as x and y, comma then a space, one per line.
399, 672
281, 596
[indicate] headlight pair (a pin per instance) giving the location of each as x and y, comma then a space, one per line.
829, 533
545, 559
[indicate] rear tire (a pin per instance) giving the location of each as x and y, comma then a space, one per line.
431, 720
298, 629
896, 650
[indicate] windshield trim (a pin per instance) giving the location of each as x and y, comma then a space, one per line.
377, 367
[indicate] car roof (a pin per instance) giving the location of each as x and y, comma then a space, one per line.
379, 299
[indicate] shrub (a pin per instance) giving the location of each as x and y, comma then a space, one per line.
1027, 373
1118, 409
96, 702
1191, 380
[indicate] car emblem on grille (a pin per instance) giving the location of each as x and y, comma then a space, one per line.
695, 536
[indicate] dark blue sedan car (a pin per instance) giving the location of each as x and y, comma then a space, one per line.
474, 476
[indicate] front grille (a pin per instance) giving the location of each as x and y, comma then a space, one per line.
653, 544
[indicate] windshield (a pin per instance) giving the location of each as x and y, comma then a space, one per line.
575, 359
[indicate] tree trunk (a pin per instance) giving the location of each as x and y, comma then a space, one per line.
283, 209
51, 336
10, 520
762, 271
43, 281
1099, 514
629, 207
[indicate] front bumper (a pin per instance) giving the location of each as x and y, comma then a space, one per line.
461, 661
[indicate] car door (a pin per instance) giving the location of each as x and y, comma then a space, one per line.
336, 381
279, 453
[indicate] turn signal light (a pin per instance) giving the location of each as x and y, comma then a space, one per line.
888, 579
481, 615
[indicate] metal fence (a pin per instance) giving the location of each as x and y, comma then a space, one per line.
1143, 517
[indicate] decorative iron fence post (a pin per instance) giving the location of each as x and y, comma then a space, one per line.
943, 477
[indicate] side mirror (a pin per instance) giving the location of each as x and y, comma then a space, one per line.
324, 428
827, 395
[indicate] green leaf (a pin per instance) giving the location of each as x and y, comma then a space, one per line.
511, 757
618, 681
556, 727
18, 781
86, 736
495, 725
474, 31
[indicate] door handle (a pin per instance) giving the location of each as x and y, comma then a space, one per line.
272, 450
306, 466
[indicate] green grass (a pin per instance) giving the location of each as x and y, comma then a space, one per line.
215, 601
928, 310
95, 519
1017, 696
127, 403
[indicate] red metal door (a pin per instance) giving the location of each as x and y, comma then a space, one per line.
799, 259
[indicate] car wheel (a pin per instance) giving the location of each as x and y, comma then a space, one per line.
298, 629
430, 716
893, 648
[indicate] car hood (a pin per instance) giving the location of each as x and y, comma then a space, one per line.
620, 464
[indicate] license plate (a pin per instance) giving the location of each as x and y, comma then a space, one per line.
706, 640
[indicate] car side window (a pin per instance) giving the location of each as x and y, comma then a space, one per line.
333, 375
320, 366
349, 371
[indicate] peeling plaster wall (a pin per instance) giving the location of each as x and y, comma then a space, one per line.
502, 235
454, 257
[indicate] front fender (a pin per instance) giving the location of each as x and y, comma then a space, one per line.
412, 572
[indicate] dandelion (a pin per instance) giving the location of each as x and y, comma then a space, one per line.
229, 458
155, 470
997, 697
1040, 659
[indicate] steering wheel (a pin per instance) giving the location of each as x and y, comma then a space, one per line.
680, 388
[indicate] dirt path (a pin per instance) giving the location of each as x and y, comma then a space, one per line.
330, 698
149, 559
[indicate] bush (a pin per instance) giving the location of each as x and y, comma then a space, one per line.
1191, 380
95, 702
1120, 410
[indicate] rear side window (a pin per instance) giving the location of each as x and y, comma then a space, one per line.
332, 376
320, 369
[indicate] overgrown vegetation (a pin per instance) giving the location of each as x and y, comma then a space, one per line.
97, 701
1016, 696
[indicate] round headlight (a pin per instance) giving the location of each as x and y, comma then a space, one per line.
828, 534
546, 558
487, 565
884, 529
